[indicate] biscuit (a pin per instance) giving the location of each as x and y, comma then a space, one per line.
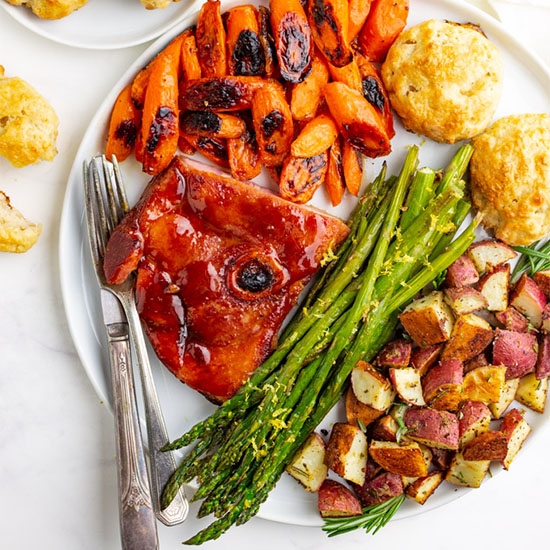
50, 9
510, 178
444, 80
16, 233
28, 123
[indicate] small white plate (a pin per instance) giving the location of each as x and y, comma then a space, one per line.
104, 24
526, 89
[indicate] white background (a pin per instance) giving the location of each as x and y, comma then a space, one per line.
57, 470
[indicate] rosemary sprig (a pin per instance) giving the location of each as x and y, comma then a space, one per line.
372, 519
535, 257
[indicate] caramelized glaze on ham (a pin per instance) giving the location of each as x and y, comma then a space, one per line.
220, 263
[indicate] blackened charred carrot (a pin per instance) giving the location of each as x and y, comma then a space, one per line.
213, 149
329, 21
246, 55
301, 177
159, 125
307, 95
242, 152
387, 18
123, 127
358, 13
359, 122
335, 174
273, 123
190, 66
293, 40
208, 124
316, 137
268, 45
210, 36
375, 92
352, 164
349, 75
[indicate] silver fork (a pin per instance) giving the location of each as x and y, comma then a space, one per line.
108, 214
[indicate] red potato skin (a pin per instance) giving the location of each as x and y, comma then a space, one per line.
372, 470
424, 358
336, 500
395, 354
512, 320
527, 289
516, 351
379, 489
542, 369
461, 272
469, 413
438, 426
510, 421
448, 371
542, 278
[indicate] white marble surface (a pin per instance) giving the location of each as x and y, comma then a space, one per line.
57, 470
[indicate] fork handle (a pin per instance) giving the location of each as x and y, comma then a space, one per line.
162, 465
138, 527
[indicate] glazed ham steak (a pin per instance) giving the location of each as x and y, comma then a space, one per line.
220, 265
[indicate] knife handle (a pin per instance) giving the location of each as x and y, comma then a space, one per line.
162, 465
138, 527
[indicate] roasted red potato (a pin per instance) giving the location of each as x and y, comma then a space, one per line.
230, 93
407, 383
543, 361
329, 22
335, 501
307, 95
506, 397
462, 272
532, 392
301, 177
438, 429
160, 118
528, 299
517, 351
190, 66
441, 458
308, 464
357, 411
380, 488
243, 154
386, 20
384, 429
358, 13
403, 459
266, 40
513, 320
274, 126
421, 489
471, 335
374, 91
371, 387
442, 385
474, 418
487, 254
335, 175
346, 452
546, 318
352, 163
484, 384
542, 278
396, 353
464, 300
467, 473
123, 126
494, 287
211, 40
213, 149
293, 39
315, 138
424, 358
246, 55
209, 124
516, 429
357, 119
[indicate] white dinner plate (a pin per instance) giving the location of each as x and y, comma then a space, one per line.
105, 24
526, 89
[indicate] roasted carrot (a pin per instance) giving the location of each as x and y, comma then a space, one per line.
159, 124
375, 93
316, 136
123, 127
190, 66
275, 173
230, 93
349, 75
273, 123
185, 147
329, 21
246, 55
352, 164
301, 177
293, 40
242, 152
266, 39
387, 18
139, 86
358, 13
307, 95
210, 36
208, 124
359, 122
335, 175
213, 149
